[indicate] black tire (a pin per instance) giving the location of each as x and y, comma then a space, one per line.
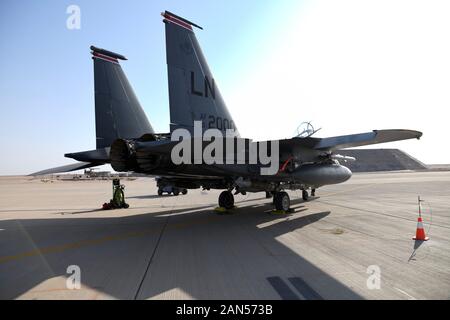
176, 192
305, 195
160, 192
226, 200
282, 201
313, 192
184, 191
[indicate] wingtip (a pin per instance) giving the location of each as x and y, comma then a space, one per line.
415, 134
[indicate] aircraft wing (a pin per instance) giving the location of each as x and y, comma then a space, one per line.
351, 140
368, 138
66, 168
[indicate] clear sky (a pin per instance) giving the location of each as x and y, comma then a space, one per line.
349, 66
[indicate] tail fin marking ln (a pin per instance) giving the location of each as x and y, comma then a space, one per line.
193, 92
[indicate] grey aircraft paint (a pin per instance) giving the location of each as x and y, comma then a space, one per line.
126, 139
118, 113
193, 91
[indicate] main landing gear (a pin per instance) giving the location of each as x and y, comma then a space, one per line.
282, 201
226, 200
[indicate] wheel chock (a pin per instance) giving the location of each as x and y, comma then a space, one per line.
274, 211
223, 210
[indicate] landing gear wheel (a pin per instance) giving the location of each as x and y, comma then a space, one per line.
226, 200
176, 192
305, 195
184, 191
160, 192
313, 192
282, 201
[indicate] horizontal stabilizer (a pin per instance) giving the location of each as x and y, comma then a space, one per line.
97, 155
66, 168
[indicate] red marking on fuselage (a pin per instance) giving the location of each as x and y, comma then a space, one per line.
283, 167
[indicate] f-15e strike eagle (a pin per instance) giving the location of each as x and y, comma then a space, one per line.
127, 141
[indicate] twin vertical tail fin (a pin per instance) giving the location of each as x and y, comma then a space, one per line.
118, 113
193, 92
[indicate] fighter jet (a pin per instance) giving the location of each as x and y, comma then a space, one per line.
127, 141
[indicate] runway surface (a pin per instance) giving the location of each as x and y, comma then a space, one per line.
179, 248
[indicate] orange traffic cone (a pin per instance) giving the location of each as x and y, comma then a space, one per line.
420, 232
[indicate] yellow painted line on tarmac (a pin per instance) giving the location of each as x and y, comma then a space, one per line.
97, 241
73, 245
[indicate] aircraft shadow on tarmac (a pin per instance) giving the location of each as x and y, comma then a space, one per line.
121, 256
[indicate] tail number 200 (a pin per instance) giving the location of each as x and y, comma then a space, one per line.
220, 123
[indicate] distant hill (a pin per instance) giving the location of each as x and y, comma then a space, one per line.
368, 160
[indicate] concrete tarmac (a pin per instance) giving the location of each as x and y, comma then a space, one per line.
168, 247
